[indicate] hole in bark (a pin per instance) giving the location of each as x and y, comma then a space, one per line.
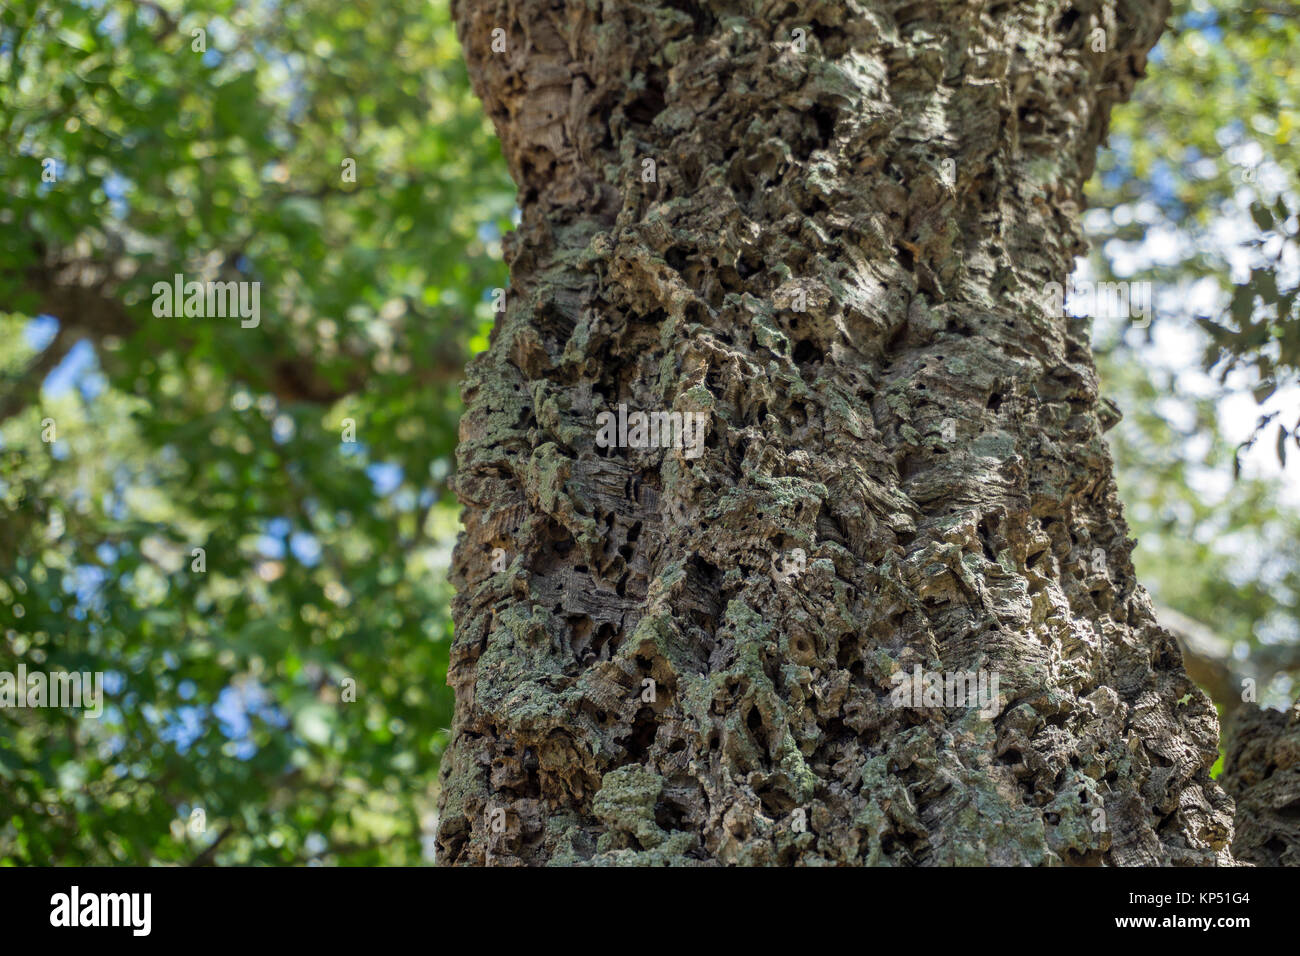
832, 39
676, 257
1068, 19
986, 531
911, 466
730, 279
775, 802
754, 722
557, 319
703, 18
606, 634
739, 181
642, 735
995, 402
649, 104
451, 844
824, 117
806, 351
703, 621
669, 816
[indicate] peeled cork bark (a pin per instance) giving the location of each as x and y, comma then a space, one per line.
829, 228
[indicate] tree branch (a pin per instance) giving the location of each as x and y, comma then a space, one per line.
205, 858
20, 392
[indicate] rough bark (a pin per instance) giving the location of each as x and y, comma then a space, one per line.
956, 546
1262, 774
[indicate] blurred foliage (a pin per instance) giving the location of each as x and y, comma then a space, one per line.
1224, 552
1198, 193
1205, 159
324, 560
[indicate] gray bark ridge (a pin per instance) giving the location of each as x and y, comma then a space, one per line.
838, 258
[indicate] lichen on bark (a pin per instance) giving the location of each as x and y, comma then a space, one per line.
840, 259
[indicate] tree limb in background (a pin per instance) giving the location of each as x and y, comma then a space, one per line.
19, 393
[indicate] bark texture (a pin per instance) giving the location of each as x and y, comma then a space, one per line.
1262, 774
926, 430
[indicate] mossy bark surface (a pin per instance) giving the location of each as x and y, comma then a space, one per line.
838, 254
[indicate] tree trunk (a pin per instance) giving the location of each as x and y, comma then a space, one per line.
828, 229
1262, 773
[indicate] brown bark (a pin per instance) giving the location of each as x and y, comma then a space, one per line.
1262, 774
926, 431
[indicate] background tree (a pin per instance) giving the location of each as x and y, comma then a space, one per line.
1197, 193
221, 154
